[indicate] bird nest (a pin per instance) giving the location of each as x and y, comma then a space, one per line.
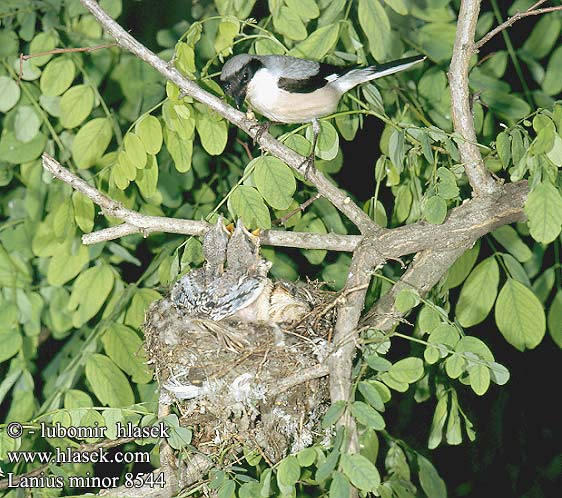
242, 357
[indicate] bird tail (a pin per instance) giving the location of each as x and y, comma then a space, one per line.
357, 76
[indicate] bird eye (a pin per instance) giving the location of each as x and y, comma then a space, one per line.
245, 77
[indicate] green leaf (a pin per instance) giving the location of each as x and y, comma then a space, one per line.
306, 457
43, 42
288, 23
406, 299
506, 105
108, 383
555, 154
479, 377
26, 123
367, 416
147, 179
398, 6
91, 141
430, 481
515, 269
333, 414
318, 44
435, 210
407, 370
396, 149
149, 130
306, 9
57, 76
212, 132
228, 29
76, 105
227, 490
139, 304
552, 83
361, 472
498, 373
123, 170
442, 339
339, 487
135, 150
84, 211
371, 394
15, 152
123, 345
555, 319
180, 149
543, 37
476, 346
520, 316
478, 293
455, 365
9, 93
462, 266
89, 292
376, 26
289, 471
63, 267
275, 181
11, 343
544, 210
508, 237
378, 363
503, 146
63, 222
9, 43
436, 39
438, 422
247, 203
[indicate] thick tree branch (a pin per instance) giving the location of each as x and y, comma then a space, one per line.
423, 274
463, 120
365, 259
531, 11
337, 197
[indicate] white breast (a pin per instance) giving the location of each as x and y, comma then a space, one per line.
265, 97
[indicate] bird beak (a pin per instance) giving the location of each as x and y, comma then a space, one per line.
239, 99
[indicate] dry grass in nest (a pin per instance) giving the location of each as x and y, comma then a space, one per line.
224, 376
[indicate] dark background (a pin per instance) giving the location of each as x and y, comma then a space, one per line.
517, 452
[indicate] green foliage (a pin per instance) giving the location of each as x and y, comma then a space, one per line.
112, 119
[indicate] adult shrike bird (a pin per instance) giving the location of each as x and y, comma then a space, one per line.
291, 90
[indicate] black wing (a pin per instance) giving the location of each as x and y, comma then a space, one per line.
314, 82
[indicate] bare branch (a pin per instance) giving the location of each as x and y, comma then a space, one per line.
463, 120
336, 196
470, 221
531, 11
111, 208
298, 378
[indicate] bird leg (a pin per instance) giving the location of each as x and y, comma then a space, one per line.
260, 128
308, 163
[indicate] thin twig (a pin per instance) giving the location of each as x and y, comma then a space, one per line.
246, 148
532, 11
60, 51
301, 208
